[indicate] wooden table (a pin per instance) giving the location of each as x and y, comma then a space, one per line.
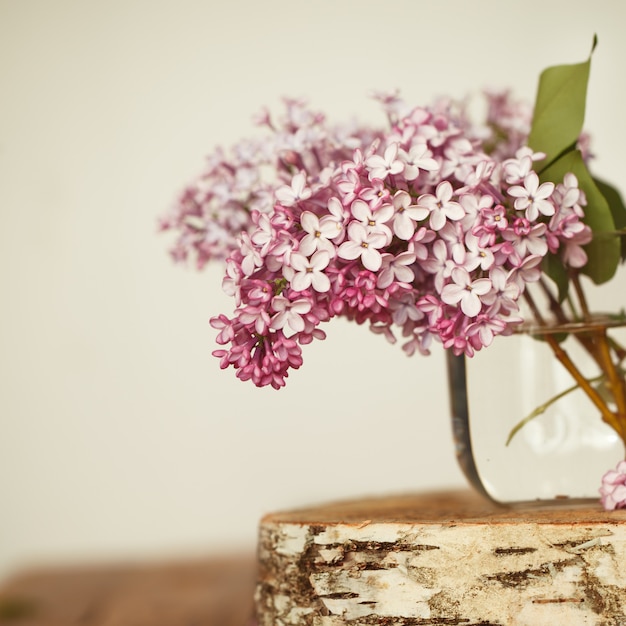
211, 592
447, 558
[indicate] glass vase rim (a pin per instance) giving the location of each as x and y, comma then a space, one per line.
593, 323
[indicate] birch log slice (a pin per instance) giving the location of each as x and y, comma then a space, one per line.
442, 559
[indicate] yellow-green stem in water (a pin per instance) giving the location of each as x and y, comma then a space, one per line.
607, 415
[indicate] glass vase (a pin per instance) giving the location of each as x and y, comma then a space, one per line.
525, 428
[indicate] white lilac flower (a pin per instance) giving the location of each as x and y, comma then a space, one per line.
337, 216
251, 257
319, 233
289, 314
364, 245
288, 195
406, 215
465, 291
533, 197
382, 166
440, 206
418, 158
375, 221
310, 272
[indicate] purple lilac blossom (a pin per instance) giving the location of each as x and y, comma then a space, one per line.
429, 230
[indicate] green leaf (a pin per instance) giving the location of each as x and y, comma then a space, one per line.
559, 108
618, 209
557, 123
604, 251
554, 268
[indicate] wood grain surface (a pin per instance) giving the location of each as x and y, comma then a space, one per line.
212, 592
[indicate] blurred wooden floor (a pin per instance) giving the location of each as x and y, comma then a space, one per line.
212, 592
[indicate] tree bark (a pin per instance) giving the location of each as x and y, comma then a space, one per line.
442, 558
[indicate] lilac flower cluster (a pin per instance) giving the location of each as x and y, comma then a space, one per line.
431, 229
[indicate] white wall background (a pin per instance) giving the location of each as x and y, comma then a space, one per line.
119, 435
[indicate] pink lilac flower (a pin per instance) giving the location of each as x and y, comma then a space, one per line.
225, 326
493, 221
527, 238
404, 309
613, 489
570, 194
504, 292
439, 263
376, 194
574, 254
473, 254
484, 329
516, 170
255, 317
396, 268
528, 271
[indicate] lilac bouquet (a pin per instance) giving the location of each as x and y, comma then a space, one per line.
431, 227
